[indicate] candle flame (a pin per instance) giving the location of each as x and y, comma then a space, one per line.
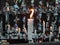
50, 27
43, 22
31, 13
7, 8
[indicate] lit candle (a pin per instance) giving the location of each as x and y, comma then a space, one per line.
59, 29
43, 27
7, 8
30, 26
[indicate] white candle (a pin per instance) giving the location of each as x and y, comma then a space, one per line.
59, 29
30, 28
30, 25
43, 27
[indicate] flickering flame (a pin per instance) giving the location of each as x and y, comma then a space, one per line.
7, 8
50, 27
31, 15
43, 22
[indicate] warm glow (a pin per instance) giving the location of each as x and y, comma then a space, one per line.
50, 27
7, 8
31, 15
43, 22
